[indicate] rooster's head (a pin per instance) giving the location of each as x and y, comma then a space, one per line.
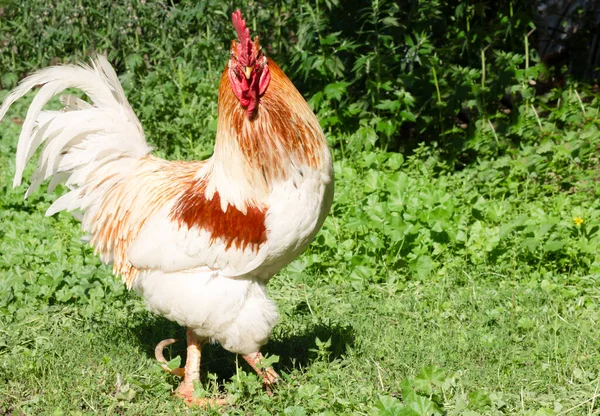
248, 69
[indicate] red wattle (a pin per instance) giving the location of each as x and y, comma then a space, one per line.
248, 93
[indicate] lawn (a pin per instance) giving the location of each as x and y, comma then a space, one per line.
458, 282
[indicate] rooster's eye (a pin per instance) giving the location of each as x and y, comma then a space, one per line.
240, 72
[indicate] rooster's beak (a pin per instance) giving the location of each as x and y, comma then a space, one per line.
248, 72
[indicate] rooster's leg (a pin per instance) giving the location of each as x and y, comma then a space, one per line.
269, 376
191, 371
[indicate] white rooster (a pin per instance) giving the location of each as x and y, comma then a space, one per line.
199, 240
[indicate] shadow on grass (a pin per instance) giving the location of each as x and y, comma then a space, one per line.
28, 206
296, 347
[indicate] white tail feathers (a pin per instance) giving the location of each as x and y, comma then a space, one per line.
81, 141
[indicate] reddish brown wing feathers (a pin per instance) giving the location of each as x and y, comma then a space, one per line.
193, 209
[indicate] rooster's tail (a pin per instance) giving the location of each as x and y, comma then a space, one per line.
89, 147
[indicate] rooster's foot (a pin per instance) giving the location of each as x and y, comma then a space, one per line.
185, 391
270, 379
158, 353
269, 376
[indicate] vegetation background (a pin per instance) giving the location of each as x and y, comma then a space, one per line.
458, 272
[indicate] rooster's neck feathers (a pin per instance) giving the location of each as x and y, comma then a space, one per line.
283, 134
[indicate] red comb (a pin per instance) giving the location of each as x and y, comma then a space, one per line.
244, 47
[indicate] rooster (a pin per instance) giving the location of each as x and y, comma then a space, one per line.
198, 240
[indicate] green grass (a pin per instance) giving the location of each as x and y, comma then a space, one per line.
391, 308
452, 278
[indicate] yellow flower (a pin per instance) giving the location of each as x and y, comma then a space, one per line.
578, 221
